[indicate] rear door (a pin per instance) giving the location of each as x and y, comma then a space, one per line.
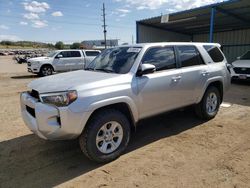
90, 55
194, 73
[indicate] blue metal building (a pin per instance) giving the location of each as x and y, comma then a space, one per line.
227, 23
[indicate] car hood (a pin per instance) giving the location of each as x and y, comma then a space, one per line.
241, 63
39, 59
77, 80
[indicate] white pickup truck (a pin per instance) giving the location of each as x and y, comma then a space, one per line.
61, 61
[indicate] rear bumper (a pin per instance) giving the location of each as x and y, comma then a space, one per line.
50, 122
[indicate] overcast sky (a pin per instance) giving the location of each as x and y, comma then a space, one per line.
77, 20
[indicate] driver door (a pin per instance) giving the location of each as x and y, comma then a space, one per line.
159, 91
67, 61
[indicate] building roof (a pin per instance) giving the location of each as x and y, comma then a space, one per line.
229, 15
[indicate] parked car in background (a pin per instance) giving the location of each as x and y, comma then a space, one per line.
61, 61
103, 103
240, 69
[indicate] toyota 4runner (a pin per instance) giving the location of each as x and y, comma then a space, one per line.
103, 103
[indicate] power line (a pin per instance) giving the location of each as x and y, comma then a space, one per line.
71, 23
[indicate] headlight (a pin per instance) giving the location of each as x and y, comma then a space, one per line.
59, 99
35, 62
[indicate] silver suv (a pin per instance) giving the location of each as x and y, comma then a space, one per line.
103, 103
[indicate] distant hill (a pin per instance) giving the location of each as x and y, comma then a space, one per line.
25, 44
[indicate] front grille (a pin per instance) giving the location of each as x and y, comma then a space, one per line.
31, 111
34, 94
241, 70
29, 63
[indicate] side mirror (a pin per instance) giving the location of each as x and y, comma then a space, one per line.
238, 58
59, 56
146, 69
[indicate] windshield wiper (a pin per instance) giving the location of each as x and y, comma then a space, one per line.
105, 70
88, 68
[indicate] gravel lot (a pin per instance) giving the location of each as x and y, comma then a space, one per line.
171, 150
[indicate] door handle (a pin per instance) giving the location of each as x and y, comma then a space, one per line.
204, 73
176, 78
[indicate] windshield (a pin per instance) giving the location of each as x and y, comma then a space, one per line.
52, 54
246, 56
116, 60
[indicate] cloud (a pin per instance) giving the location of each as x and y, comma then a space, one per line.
34, 11
10, 37
122, 15
31, 16
23, 23
123, 10
172, 4
141, 7
57, 14
4, 27
39, 23
145, 4
36, 7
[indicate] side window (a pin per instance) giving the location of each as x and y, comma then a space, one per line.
92, 53
75, 54
68, 54
161, 57
64, 54
214, 53
189, 56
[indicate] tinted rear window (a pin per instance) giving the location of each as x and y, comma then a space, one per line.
92, 53
67, 54
189, 56
75, 54
214, 53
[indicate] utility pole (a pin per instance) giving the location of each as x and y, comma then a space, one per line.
104, 25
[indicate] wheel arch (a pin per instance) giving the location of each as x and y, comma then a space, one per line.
216, 83
219, 86
123, 107
46, 64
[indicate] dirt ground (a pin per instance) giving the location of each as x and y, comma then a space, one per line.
171, 150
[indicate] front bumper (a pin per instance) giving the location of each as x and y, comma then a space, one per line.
50, 122
236, 76
33, 69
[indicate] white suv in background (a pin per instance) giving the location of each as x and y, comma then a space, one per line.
240, 68
61, 61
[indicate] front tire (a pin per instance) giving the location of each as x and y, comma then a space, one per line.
106, 136
209, 105
46, 70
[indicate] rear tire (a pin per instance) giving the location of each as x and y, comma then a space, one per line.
209, 105
106, 136
46, 70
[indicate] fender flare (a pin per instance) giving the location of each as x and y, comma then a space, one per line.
123, 99
210, 81
46, 64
